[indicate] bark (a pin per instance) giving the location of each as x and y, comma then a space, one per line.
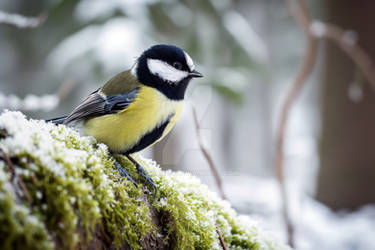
347, 155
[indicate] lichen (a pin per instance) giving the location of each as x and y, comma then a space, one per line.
76, 192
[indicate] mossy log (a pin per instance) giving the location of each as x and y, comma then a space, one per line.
59, 190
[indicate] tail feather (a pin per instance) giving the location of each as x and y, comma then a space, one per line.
58, 120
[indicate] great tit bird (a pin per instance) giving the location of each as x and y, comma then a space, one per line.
137, 107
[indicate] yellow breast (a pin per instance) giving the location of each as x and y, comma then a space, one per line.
123, 130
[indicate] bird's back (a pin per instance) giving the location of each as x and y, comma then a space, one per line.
123, 82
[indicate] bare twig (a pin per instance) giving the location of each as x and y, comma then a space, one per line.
20, 182
208, 156
299, 12
20, 21
10, 164
222, 242
347, 41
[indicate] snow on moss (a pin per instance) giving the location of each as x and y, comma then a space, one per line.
72, 183
75, 191
196, 212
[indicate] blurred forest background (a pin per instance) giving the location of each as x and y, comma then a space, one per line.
249, 52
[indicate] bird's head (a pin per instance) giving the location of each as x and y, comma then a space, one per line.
166, 68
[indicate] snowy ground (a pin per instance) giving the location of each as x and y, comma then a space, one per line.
317, 227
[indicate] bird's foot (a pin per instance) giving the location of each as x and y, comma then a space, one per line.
143, 173
123, 172
148, 179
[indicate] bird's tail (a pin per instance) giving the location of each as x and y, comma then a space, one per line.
58, 120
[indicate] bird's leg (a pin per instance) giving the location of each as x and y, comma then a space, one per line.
142, 172
123, 171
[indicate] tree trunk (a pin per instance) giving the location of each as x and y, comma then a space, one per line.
347, 150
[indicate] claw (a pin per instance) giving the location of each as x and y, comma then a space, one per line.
148, 179
124, 173
143, 173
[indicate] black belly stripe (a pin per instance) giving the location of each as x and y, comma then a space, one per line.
149, 138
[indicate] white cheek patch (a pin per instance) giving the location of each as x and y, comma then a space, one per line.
189, 62
165, 71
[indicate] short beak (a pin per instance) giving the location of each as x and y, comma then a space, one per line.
195, 74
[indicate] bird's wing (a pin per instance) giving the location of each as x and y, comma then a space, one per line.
98, 104
114, 96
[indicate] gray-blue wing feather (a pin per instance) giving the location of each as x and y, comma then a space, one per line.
96, 105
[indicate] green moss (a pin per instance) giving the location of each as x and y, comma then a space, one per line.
19, 228
73, 187
76, 192
193, 214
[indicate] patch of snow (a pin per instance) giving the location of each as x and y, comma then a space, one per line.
316, 225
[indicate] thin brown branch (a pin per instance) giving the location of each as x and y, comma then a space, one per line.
222, 242
20, 21
300, 14
207, 156
347, 41
20, 182
10, 164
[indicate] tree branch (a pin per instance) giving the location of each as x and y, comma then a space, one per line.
207, 156
300, 14
347, 41
20, 21
222, 242
20, 182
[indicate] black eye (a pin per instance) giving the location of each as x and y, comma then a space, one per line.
177, 65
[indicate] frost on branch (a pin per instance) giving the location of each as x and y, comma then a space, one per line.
77, 199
